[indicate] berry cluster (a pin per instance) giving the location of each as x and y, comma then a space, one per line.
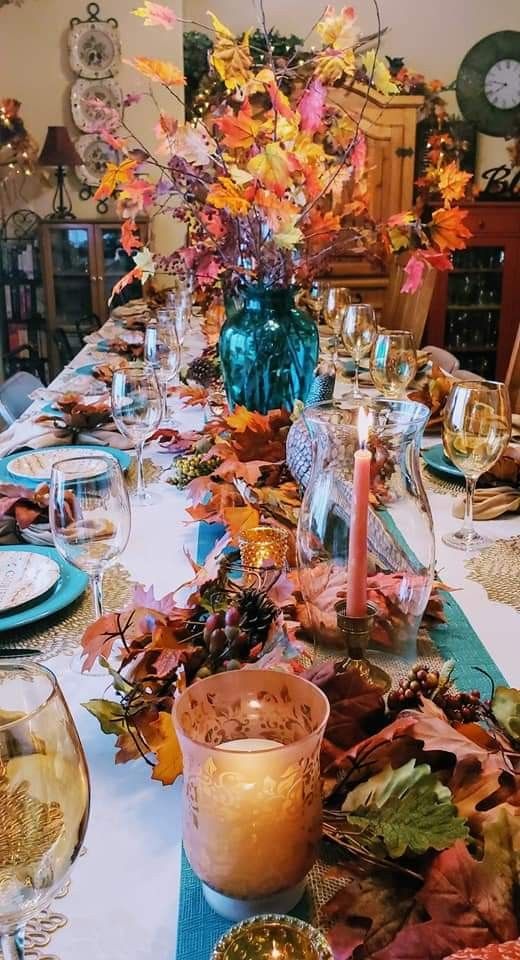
423, 682
226, 642
191, 466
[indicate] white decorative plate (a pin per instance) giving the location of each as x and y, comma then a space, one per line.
87, 116
94, 50
38, 464
25, 576
95, 154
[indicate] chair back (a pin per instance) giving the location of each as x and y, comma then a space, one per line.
87, 324
407, 311
25, 358
64, 348
512, 379
15, 395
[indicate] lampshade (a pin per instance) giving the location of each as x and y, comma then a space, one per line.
58, 149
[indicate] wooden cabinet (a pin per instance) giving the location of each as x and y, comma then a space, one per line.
81, 262
389, 125
475, 311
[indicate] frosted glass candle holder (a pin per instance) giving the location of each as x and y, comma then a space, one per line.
252, 803
263, 545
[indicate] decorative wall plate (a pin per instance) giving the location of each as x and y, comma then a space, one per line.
95, 154
94, 49
86, 116
24, 576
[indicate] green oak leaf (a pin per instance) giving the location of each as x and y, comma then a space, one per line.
110, 715
506, 709
409, 809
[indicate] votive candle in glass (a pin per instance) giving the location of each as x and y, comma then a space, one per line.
251, 741
272, 936
261, 546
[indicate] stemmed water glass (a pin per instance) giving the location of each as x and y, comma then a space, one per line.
89, 515
358, 332
162, 351
137, 408
335, 302
44, 797
393, 362
475, 432
179, 305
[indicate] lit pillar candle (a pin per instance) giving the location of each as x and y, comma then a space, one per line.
358, 537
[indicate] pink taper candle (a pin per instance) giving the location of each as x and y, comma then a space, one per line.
358, 537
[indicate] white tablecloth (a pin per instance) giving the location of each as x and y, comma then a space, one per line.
124, 893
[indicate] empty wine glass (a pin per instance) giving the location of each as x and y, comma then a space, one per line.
335, 302
162, 352
137, 407
475, 432
44, 796
89, 515
393, 362
358, 332
183, 309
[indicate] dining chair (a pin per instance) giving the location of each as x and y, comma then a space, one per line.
15, 395
87, 324
512, 378
443, 358
407, 311
25, 358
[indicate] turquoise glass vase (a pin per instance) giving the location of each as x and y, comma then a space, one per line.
268, 350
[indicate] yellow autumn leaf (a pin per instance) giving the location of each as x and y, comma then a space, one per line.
231, 59
453, 182
115, 174
271, 167
226, 195
307, 149
160, 71
378, 73
332, 65
338, 30
289, 235
398, 240
162, 739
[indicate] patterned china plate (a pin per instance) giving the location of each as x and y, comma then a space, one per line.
70, 585
35, 466
25, 576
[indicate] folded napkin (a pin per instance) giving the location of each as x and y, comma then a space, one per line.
492, 503
36, 434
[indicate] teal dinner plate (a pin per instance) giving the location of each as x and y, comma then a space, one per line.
436, 459
122, 456
103, 346
71, 584
85, 371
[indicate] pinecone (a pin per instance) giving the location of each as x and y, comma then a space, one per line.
204, 370
191, 466
257, 612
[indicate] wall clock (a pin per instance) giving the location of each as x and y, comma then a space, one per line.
488, 84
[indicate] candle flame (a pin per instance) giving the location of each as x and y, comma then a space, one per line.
364, 424
275, 952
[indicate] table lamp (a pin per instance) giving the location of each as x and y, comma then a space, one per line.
59, 151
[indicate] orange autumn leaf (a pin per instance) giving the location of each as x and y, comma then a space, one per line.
453, 182
162, 739
231, 59
115, 174
226, 195
192, 396
128, 278
238, 519
272, 168
241, 129
243, 419
130, 239
448, 230
159, 71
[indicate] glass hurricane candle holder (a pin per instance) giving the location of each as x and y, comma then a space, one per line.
263, 545
262, 938
251, 741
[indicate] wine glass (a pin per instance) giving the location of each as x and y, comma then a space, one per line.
44, 796
475, 432
182, 313
89, 515
393, 362
162, 351
137, 408
335, 302
358, 332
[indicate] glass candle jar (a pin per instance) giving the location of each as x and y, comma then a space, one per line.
263, 546
251, 741
262, 938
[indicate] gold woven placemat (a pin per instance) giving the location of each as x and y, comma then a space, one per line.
438, 484
62, 632
497, 569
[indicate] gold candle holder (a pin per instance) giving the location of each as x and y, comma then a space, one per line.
263, 938
263, 545
356, 633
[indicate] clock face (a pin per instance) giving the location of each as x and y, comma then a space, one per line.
488, 84
502, 84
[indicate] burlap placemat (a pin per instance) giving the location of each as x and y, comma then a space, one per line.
497, 569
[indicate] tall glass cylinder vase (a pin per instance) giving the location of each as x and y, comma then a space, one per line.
400, 533
268, 350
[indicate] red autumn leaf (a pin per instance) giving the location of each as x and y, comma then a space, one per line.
414, 271
130, 239
495, 951
311, 106
344, 938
